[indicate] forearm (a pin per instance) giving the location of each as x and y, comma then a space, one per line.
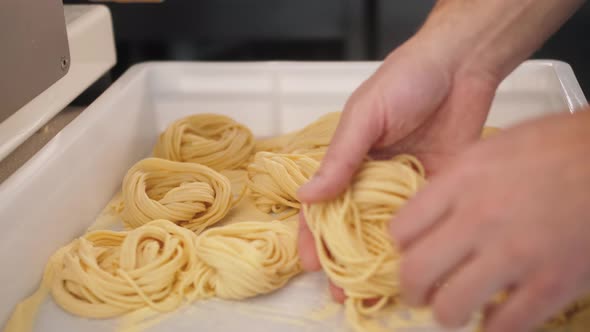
491, 36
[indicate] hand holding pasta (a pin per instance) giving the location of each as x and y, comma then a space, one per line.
519, 202
351, 237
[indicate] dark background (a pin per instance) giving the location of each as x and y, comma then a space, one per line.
242, 30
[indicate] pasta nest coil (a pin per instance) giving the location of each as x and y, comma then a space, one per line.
105, 274
161, 266
351, 232
213, 140
248, 258
191, 195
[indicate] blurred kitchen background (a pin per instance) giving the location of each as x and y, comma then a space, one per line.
251, 30
241, 30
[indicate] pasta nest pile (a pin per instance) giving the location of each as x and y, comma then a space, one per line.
161, 265
177, 249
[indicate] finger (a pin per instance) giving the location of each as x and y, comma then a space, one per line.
306, 247
472, 287
531, 304
431, 259
423, 211
337, 293
357, 131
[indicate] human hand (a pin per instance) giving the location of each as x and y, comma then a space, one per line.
413, 103
509, 214
431, 96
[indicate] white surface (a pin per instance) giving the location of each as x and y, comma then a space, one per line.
92, 53
299, 307
60, 191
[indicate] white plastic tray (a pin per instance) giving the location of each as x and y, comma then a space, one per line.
58, 193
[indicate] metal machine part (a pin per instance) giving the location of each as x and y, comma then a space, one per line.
35, 52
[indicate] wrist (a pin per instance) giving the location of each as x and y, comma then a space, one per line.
488, 39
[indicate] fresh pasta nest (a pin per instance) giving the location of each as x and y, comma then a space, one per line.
106, 274
249, 258
351, 235
213, 140
187, 194
161, 265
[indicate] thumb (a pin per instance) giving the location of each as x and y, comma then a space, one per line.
357, 131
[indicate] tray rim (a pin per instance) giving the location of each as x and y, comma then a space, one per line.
569, 85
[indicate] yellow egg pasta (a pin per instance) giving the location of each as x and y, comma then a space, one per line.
351, 235
191, 195
273, 181
213, 140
